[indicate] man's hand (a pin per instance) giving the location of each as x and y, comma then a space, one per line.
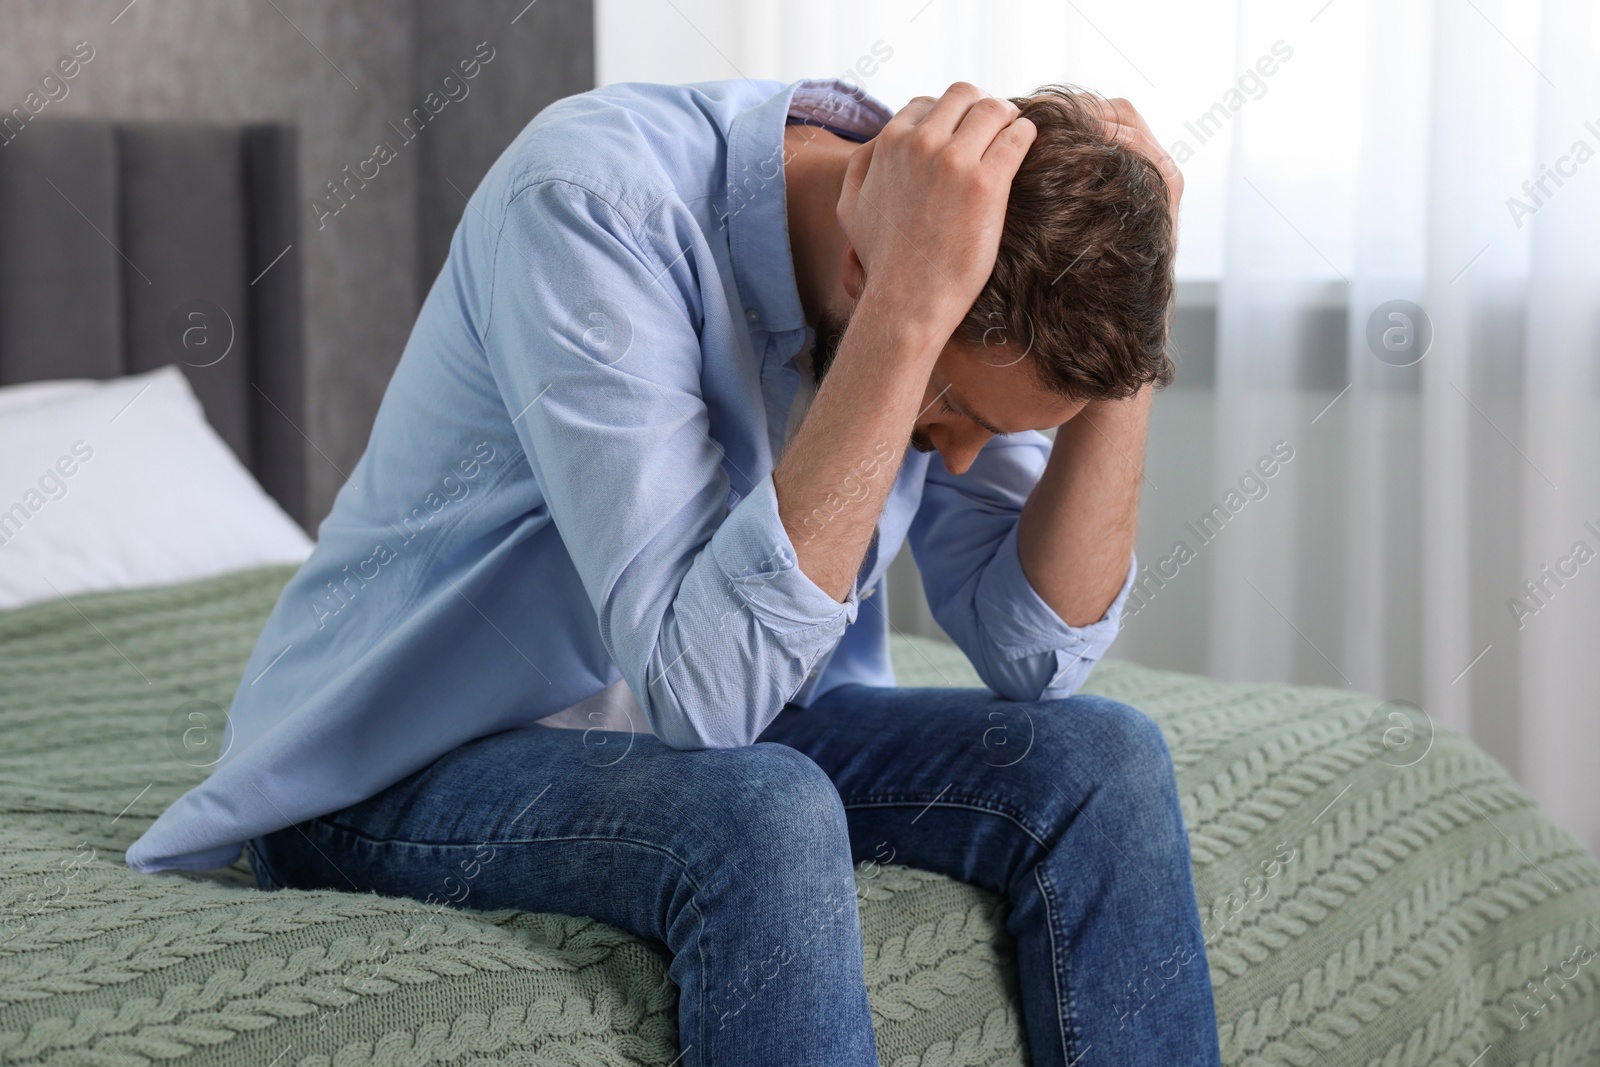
1125, 125
924, 202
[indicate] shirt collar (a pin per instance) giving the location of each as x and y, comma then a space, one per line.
757, 214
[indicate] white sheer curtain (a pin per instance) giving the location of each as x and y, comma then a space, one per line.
1437, 483
1364, 179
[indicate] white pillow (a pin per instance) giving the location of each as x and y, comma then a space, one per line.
125, 484
32, 394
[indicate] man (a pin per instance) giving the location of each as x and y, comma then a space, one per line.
602, 493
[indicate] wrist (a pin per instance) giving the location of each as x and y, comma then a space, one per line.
1124, 420
1136, 406
915, 323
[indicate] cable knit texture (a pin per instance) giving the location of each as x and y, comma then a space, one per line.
1356, 912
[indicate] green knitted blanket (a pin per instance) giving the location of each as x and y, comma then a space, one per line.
1368, 895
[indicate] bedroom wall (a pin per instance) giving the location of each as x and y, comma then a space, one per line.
343, 73
549, 54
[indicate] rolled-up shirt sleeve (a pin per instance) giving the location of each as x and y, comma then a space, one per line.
964, 541
593, 337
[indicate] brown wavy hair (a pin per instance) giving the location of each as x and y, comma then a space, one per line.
1083, 282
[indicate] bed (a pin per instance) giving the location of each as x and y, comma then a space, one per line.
1372, 890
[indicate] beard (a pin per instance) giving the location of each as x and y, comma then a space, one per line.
829, 332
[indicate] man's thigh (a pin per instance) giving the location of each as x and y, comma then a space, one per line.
592, 823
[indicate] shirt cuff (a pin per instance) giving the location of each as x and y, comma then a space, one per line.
762, 574
1020, 621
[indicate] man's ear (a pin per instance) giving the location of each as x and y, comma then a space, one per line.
854, 274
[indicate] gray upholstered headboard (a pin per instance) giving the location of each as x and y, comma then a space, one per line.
128, 246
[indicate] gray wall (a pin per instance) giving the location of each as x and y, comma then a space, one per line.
548, 54
343, 73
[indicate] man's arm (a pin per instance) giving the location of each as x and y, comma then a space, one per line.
1086, 505
1027, 556
964, 540
587, 317
923, 206
1076, 531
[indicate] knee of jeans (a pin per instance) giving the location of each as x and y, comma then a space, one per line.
1110, 760
1121, 743
785, 803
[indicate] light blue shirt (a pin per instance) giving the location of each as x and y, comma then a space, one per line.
569, 483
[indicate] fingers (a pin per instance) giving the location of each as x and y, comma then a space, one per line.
949, 110
1124, 125
983, 121
850, 196
911, 115
1010, 146
1142, 143
970, 120
855, 171
1118, 112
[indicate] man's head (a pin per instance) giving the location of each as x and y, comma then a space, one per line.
1078, 304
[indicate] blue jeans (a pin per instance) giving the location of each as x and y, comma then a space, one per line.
740, 862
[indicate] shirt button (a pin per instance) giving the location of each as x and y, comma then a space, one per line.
752, 314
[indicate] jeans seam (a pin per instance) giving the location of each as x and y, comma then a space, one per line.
965, 803
1058, 968
501, 841
1066, 1024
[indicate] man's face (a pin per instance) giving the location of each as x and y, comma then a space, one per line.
973, 392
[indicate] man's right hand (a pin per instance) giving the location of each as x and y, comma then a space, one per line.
924, 202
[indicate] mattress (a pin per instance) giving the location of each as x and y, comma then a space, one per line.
1363, 903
